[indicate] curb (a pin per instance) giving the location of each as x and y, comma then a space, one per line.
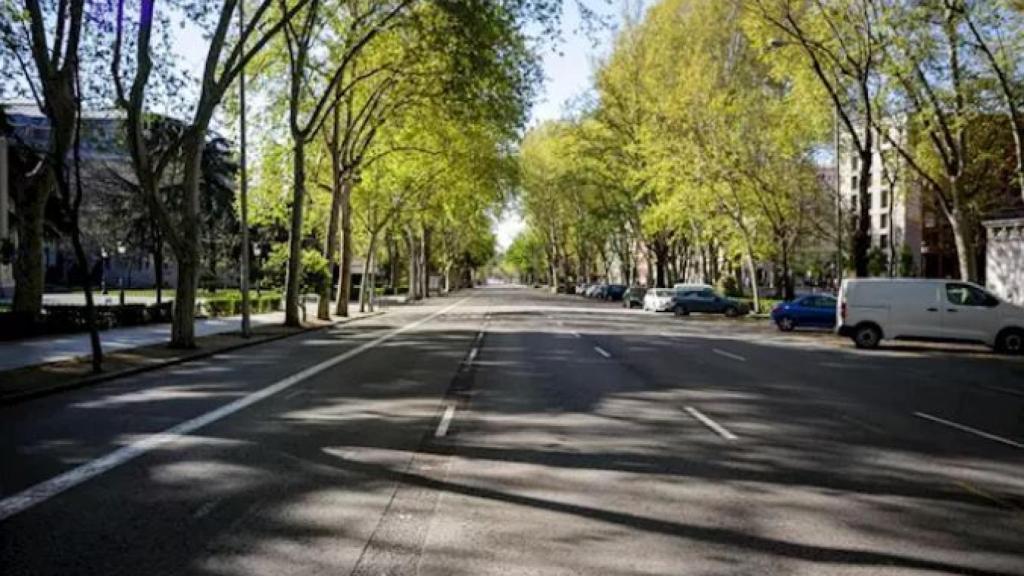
19, 397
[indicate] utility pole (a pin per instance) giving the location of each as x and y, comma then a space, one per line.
839, 199
243, 188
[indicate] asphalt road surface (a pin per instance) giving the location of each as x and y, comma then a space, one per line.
506, 431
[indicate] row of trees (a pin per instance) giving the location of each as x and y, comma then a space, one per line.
700, 151
378, 120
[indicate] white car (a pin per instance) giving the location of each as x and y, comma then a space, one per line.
658, 299
913, 309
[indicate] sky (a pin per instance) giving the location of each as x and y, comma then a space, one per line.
568, 70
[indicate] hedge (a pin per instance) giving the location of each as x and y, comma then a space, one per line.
231, 305
64, 319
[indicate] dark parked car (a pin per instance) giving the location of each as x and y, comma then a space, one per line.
597, 291
634, 297
818, 311
707, 301
614, 292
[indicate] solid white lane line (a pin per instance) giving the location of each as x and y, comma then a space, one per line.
718, 428
472, 355
47, 489
602, 352
446, 421
969, 430
735, 357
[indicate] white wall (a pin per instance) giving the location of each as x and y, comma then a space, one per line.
1004, 257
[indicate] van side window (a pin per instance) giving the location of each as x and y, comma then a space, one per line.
966, 295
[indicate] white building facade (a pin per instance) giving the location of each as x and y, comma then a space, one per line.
1004, 259
895, 210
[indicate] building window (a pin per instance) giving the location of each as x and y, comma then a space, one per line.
853, 183
883, 241
884, 224
885, 197
853, 162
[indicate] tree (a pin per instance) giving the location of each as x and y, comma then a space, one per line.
223, 63
838, 41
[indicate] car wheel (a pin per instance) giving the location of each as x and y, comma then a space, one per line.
681, 311
786, 324
867, 337
1010, 342
732, 312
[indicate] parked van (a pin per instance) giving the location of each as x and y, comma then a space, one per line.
916, 309
688, 286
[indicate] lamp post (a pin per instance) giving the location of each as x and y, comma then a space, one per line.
121, 249
103, 270
257, 251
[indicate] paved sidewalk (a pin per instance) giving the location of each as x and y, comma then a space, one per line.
45, 349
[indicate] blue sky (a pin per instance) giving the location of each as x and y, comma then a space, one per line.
568, 69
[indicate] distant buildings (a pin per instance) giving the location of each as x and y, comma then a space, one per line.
895, 208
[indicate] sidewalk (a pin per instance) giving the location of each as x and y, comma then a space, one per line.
46, 349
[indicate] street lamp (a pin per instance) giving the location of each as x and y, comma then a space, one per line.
120, 253
103, 270
257, 251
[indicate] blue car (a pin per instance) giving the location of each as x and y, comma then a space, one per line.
817, 311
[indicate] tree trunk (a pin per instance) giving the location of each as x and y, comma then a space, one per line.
861, 242
291, 310
187, 253
29, 269
364, 294
345, 274
323, 311
425, 255
90, 305
413, 274
966, 257
158, 269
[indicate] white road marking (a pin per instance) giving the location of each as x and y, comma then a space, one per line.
577, 334
969, 430
472, 355
446, 421
47, 489
479, 336
735, 357
602, 352
718, 428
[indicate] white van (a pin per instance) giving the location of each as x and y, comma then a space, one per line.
687, 286
916, 309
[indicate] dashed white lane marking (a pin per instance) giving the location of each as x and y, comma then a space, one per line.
730, 355
715, 426
472, 355
47, 489
446, 421
602, 352
969, 430
577, 335
479, 336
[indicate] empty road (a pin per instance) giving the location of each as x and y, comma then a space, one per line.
505, 431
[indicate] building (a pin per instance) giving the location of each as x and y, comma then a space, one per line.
895, 207
117, 256
1004, 259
